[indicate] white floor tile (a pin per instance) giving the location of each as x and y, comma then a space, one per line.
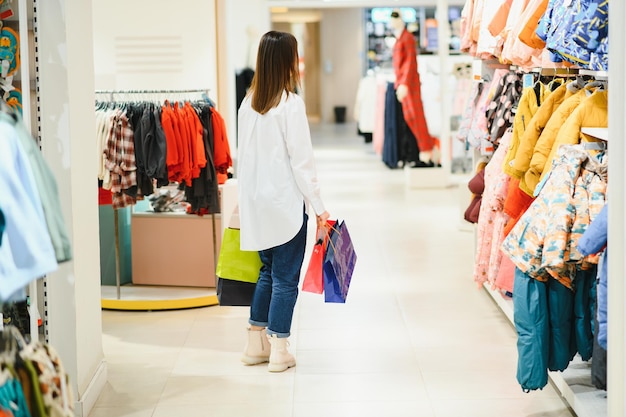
354, 338
477, 385
258, 409
126, 411
131, 392
357, 361
377, 387
529, 406
207, 362
467, 357
460, 332
229, 389
365, 409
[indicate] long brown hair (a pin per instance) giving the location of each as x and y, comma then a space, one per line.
276, 70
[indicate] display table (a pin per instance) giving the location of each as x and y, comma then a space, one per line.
175, 249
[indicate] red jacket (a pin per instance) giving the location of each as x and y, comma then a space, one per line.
405, 67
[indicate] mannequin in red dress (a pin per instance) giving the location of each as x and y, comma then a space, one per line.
408, 92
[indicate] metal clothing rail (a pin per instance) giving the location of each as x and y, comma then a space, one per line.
148, 92
562, 72
197, 90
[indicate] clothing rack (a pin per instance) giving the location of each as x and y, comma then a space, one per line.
562, 72
197, 90
144, 93
115, 212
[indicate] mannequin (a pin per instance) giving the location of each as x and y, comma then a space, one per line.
408, 93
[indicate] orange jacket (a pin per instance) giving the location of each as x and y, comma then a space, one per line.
221, 149
533, 13
172, 158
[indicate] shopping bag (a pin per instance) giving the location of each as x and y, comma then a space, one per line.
237, 271
339, 264
314, 276
234, 293
235, 264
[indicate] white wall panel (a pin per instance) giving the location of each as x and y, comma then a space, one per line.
342, 48
155, 44
65, 88
241, 25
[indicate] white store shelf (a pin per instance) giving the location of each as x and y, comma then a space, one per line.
596, 132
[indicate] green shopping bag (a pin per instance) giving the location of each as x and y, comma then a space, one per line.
235, 264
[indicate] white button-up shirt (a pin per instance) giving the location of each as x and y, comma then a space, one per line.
276, 173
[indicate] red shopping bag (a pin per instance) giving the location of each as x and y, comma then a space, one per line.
314, 277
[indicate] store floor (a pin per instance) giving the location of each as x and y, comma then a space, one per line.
416, 337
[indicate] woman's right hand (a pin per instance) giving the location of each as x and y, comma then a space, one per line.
322, 218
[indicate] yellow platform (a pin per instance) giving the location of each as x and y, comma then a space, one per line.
151, 298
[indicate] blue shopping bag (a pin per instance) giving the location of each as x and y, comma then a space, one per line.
338, 264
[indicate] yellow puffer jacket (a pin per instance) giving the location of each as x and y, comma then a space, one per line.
524, 154
546, 140
526, 109
592, 112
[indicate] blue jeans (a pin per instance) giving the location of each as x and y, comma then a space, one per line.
277, 288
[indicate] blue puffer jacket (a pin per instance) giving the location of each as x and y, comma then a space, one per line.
591, 32
545, 26
574, 29
561, 39
593, 240
593, 26
600, 57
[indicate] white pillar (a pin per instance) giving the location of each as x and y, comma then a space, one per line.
616, 196
443, 35
66, 92
237, 20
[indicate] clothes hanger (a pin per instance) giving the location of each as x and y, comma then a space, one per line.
596, 83
555, 83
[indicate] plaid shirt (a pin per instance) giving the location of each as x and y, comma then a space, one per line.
120, 160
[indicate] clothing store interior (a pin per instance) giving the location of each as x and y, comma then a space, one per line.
464, 143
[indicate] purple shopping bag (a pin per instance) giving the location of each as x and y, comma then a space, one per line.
338, 265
